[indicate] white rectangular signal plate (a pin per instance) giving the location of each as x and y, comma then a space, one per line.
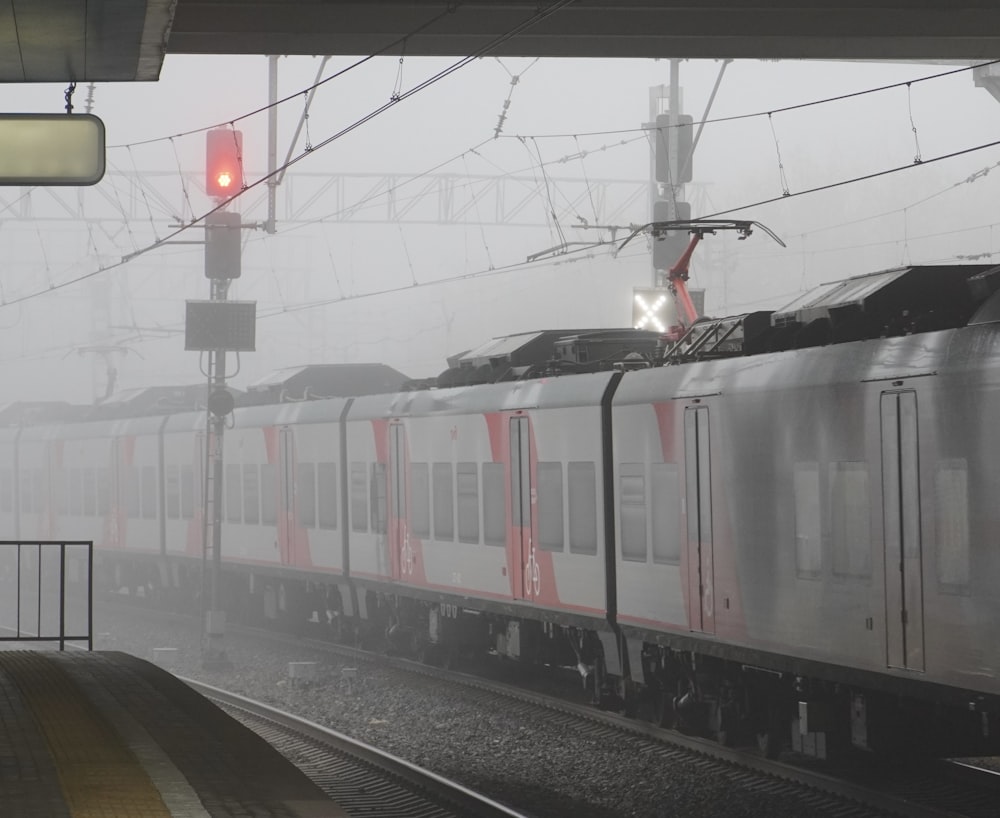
51, 149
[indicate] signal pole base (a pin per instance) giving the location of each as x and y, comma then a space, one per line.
213, 654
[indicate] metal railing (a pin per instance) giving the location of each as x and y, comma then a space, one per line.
37, 572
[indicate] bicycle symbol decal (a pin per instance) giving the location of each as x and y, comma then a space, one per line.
708, 603
532, 573
406, 554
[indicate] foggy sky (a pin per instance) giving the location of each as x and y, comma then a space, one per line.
49, 343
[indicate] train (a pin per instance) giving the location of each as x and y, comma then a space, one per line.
780, 527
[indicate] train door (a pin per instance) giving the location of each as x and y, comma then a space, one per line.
700, 579
401, 551
527, 578
904, 598
288, 507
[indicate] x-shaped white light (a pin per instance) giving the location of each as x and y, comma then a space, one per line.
650, 315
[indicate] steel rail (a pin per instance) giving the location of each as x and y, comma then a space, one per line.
359, 771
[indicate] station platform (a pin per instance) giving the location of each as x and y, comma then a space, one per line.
108, 735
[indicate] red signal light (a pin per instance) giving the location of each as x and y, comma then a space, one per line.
224, 163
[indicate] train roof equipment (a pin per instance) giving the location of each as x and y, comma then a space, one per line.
546, 352
899, 301
150, 400
317, 381
28, 413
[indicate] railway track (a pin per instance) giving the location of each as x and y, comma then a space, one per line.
861, 789
939, 789
364, 781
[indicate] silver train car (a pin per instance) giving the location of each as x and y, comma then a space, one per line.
778, 528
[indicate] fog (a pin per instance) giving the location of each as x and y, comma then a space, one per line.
361, 268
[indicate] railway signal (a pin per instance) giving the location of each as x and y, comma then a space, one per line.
681, 138
223, 163
669, 245
223, 248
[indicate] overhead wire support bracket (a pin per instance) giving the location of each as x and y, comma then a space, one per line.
562, 249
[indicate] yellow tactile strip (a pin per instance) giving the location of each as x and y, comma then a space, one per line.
234, 771
29, 785
100, 776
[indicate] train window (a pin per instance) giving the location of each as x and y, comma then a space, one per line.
494, 505
665, 510
149, 492
187, 491
6, 491
551, 536
581, 480
378, 490
359, 497
850, 519
444, 501
633, 511
305, 494
951, 499
130, 490
268, 494
103, 491
89, 493
808, 530
234, 494
328, 498
251, 494
59, 492
467, 483
172, 476
420, 500
75, 492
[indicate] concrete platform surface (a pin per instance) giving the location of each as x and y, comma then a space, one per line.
108, 735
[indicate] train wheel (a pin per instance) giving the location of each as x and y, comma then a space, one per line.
771, 737
769, 743
630, 699
663, 709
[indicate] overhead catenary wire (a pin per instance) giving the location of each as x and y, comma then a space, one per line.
643, 132
970, 179
757, 114
853, 180
728, 211
535, 18
517, 265
450, 8
581, 254
399, 42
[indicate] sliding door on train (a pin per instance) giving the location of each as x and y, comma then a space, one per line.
527, 579
698, 471
399, 534
904, 600
287, 517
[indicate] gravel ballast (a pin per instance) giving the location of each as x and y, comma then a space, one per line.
540, 769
